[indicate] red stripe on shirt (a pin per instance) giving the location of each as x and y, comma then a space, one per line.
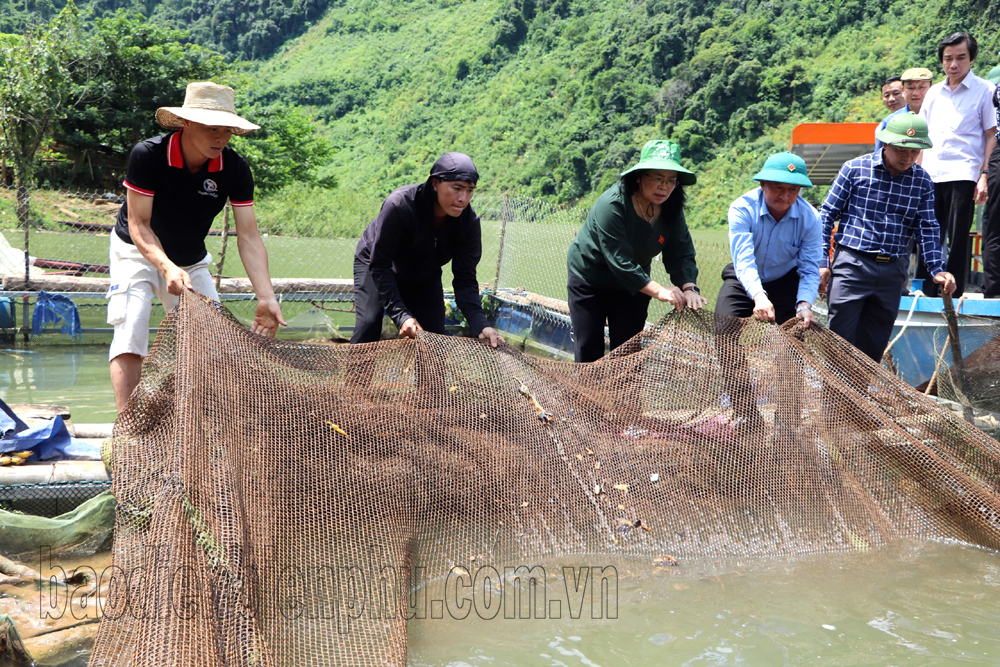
142, 191
241, 203
174, 156
215, 164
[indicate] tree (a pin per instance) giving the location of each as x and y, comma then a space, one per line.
42, 76
286, 149
139, 68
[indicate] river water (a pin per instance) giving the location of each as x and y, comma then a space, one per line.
906, 604
72, 375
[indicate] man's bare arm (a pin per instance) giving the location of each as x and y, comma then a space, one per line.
253, 254
981, 188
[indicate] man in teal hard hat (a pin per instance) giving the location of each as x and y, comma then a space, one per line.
882, 200
774, 239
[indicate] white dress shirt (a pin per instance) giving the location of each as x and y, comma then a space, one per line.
957, 122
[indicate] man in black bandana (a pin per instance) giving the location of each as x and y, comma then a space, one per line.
397, 265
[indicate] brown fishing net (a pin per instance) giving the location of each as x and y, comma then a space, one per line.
276, 501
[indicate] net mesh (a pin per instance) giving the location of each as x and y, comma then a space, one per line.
278, 497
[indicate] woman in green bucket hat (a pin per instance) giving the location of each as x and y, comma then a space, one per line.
636, 219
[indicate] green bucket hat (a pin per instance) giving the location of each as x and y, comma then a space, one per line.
905, 130
784, 168
662, 154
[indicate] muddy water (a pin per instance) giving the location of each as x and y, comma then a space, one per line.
918, 604
58, 623
908, 605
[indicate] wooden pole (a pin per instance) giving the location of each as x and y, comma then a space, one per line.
956, 355
24, 213
222, 250
504, 215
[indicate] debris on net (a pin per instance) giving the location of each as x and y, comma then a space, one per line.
280, 498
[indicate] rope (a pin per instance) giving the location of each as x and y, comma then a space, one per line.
916, 297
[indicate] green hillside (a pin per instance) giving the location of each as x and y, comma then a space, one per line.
553, 97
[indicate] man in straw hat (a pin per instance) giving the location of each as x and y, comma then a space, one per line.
882, 200
177, 183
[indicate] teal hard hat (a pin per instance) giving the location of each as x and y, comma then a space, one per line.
785, 168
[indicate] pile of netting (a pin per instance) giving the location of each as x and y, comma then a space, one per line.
275, 499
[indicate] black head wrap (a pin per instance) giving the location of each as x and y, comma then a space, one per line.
455, 167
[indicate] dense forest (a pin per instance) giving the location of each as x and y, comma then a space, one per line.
554, 97
239, 29
551, 97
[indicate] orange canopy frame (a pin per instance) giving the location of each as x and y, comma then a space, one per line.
827, 146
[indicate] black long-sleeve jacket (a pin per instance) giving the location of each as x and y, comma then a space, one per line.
402, 244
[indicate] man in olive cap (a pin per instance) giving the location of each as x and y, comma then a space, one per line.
882, 200
916, 83
774, 239
177, 183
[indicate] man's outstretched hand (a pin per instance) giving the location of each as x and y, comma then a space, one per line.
267, 318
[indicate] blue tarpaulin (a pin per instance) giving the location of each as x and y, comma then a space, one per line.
50, 440
56, 310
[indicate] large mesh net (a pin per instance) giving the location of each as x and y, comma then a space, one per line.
276, 499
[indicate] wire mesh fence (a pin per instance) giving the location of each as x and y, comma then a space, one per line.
63, 233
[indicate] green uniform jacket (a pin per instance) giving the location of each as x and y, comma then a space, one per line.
615, 247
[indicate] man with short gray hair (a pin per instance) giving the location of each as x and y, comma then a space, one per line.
959, 113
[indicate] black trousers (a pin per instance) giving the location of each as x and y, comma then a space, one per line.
991, 228
733, 298
591, 307
954, 206
864, 299
424, 300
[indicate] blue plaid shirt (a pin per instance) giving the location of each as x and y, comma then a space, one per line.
880, 213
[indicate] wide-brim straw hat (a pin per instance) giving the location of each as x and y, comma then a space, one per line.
665, 155
209, 104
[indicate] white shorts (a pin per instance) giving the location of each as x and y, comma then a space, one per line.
134, 281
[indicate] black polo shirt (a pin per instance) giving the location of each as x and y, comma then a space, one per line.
184, 204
